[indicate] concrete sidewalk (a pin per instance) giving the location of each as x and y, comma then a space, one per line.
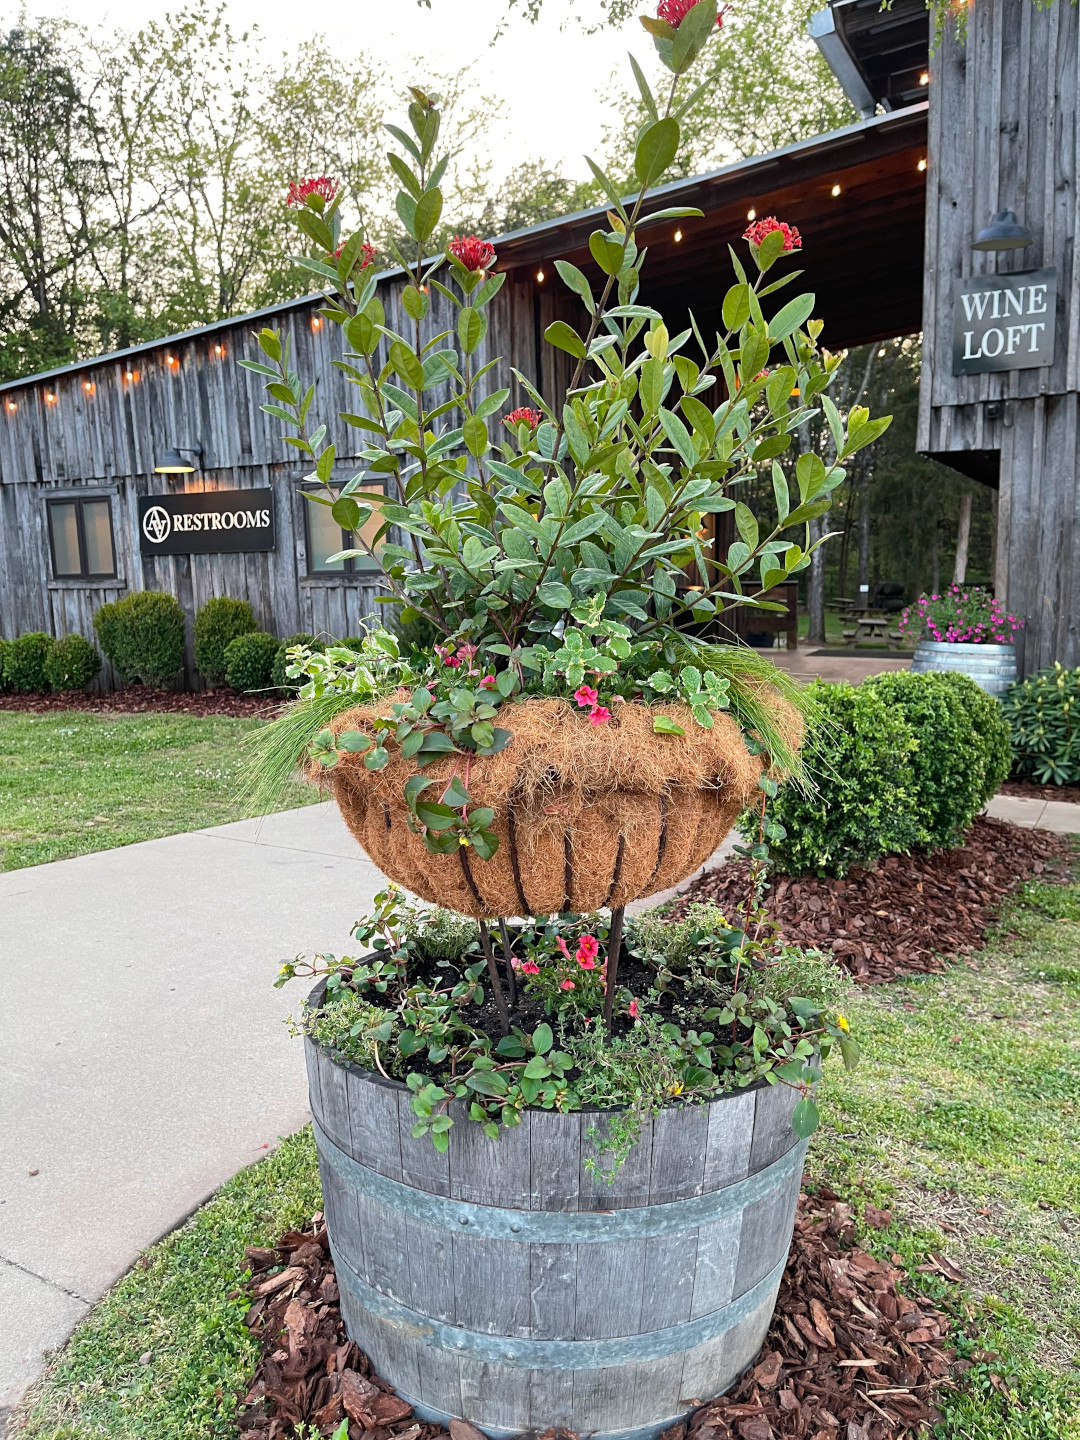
1061, 816
144, 1058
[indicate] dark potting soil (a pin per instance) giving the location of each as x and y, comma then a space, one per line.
144, 700
837, 1305
912, 912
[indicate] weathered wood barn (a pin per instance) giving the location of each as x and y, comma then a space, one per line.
86, 513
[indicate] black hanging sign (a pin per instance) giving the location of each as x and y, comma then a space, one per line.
206, 522
1004, 322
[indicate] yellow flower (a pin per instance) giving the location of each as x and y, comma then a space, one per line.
676, 1090
462, 840
842, 1021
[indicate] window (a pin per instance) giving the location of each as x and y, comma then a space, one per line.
325, 537
80, 533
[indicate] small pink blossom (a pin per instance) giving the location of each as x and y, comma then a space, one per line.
488, 682
599, 715
585, 696
567, 985
530, 967
588, 948
633, 1010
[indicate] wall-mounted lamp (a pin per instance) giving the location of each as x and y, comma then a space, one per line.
677, 236
924, 78
171, 361
172, 462
316, 322
1003, 233
11, 405
219, 349
130, 376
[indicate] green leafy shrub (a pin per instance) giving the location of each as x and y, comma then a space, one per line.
990, 725
26, 659
143, 636
1043, 715
864, 804
5, 651
217, 623
278, 677
950, 762
71, 663
249, 661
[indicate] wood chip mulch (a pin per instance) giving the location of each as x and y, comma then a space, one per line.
142, 700
848, 1356
910, 913
1031, 790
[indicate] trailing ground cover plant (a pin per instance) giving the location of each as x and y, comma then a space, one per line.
963, 615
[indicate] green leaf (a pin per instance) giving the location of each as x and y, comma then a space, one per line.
651, 385
643, 88
542, 1039
435, 817
414, 302
486, 1082
474, 432
554, 593
770, 250
786, 321
657, 147
606, 251
664, 725
406, 363
780, 492
679, 436
805, 1118
428, 211
737, 307
694, 29
562, 337
354, 741
472, 327
577, 282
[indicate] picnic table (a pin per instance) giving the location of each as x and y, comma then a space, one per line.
871, 627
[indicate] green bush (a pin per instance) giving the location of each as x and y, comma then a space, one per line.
864, 805
143, 636
1043, 715
5, 651
217, 623
950, 764
249, 661
72, 663
26, 659
278, 676
990, 725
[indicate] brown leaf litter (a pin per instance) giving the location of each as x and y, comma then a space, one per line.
848, 1355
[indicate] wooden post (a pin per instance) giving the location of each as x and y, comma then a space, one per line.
614, 951
493, 973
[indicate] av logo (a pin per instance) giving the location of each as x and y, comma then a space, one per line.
157, 524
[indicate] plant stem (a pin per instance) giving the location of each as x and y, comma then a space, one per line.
614, 951
493, 972
508, 956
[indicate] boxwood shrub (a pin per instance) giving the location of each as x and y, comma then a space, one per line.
991, 727
217, 624
25, 661
72, 663
949, 764
249, 661
5, 651
143, 636
1043, 714
864, 806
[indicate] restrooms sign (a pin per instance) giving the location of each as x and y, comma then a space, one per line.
206, 522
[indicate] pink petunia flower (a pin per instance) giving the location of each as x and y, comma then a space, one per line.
599, 715
585, 696
633, 1009
568, 985
588, 947
530, 968
488, 682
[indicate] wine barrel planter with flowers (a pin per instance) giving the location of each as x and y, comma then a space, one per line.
586, 816
505, 1283
992, 667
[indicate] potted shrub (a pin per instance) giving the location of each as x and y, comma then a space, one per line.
560, 1161
966, 629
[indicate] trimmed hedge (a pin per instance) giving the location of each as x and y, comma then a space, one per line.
865, 805
991, 727
143, 636
72, 663
949, 765
249, 661
217, 624
25, 662
5, 651
1043, 715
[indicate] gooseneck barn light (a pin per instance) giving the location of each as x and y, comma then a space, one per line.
1003, 233
172, 462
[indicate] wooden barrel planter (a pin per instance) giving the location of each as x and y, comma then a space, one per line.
506, 1284
992, 667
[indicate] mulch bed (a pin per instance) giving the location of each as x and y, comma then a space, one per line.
1029, 790
847, 1357
911, 913
142, 700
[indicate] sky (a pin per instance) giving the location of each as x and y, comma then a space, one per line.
550, 74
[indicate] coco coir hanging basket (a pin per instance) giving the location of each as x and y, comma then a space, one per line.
586, 815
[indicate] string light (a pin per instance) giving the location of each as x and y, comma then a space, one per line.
922, 164
130, 375
50, 398
11, 405
88, 386
924, 78
881, 353
316, 322
678, 236
219, 349
170, 360
751, 214
835, 191
539, 277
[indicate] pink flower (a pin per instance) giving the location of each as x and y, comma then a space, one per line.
488, 682
633, 1010
466, 651
756, 232
599, 715
586, 964
530, 968
452, 661
523, 415
588, 947
471, 251
568, 985
324, 186
585, 696
676, 11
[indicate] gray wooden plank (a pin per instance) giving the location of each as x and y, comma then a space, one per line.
555, 1159
553, 1283
610, 1289
382, 1259
679, 1139
765, 1233
375, 1139
491, 1285
629, 1185
421, 1164
486, 1171
602, 1400
668, 1286
731, 1133
395, 1355
716, 1263
773, 1132
335, 1102
494, 1395
550, 1399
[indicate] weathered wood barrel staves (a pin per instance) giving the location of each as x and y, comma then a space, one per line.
506, 1284
992, 667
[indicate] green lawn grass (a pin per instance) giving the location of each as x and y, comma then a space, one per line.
72, 782
963, 1120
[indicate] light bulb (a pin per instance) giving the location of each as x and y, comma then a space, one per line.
539, 277
678, 236
835, 191
751, 214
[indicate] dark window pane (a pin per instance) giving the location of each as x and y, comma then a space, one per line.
98, 534
325, 535
64, 528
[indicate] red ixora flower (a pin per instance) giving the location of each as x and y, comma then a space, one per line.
523, 415
676, 11
756, 232
366, 257
471, 251
299, 190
